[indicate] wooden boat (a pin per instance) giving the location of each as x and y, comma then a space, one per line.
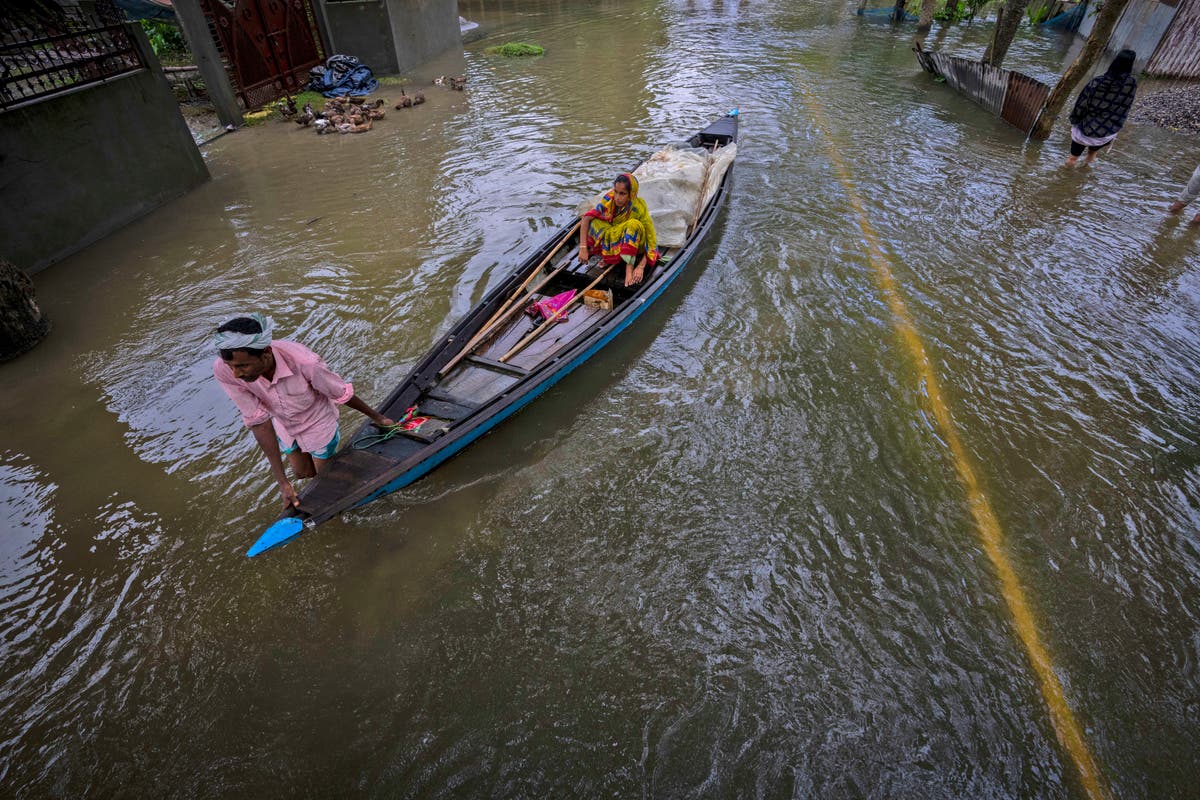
495, 361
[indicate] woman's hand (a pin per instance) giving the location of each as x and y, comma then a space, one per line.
583, 253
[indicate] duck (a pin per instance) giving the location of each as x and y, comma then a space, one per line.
289, 110
375, 113
348, 127
458, 84
307, 117
405, 101
323, 126
439, 80
418, 97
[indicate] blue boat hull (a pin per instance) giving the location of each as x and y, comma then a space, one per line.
495, 411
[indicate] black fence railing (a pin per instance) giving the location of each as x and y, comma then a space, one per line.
47, 48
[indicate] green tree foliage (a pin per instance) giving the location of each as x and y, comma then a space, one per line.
959, 10
1038, 14
165, 38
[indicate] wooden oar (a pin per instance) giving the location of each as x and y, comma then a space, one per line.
483, 334
490, 325
539, 330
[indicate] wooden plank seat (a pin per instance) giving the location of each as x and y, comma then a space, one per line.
440, 393
444, 409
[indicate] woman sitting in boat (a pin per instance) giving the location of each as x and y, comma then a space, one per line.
620, 229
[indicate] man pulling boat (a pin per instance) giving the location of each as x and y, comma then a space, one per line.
287, 396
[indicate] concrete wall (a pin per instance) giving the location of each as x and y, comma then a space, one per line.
423, 29
391, 36
78, 166
1140, 28
361, 29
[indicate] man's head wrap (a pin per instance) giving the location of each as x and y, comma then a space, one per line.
231, 340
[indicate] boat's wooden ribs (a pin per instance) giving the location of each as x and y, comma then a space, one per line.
499, 366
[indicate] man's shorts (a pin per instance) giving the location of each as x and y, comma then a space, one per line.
325, 452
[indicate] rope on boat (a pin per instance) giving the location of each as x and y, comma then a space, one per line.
409, 423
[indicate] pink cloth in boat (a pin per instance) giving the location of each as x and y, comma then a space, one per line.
546, 308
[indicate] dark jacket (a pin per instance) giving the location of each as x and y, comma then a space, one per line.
1103, 104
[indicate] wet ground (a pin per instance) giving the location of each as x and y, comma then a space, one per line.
914, 444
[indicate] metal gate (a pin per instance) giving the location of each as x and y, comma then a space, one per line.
269, 45
49, 49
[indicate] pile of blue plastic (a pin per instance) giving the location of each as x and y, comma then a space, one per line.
341, 76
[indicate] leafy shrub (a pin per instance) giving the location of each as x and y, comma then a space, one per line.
165, 37
1038, 14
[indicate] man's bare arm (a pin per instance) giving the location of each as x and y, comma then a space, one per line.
264, 434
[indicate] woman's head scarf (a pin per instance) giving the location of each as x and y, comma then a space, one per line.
633, 185
1122, 65
606, 209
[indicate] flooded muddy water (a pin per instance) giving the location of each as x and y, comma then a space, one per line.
742, 552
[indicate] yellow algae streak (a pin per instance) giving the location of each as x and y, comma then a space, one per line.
1065, 725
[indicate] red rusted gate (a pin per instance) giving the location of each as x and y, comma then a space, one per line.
270, 45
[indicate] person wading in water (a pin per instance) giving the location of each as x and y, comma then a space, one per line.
1100, 111
287, 396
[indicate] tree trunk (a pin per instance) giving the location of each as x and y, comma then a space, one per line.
1106, 20
22, 324
1008, 19
926, 20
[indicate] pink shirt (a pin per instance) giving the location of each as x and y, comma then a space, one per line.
301, 399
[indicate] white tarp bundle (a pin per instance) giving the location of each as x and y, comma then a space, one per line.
671, 182
718, 166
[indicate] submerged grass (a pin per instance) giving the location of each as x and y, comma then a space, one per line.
271, 111
514, 49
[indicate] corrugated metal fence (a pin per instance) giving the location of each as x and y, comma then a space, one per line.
1015, 98
1178, 53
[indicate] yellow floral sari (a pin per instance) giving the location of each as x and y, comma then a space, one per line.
622, 234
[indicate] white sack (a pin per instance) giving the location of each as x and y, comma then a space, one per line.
717, 169
670, 182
